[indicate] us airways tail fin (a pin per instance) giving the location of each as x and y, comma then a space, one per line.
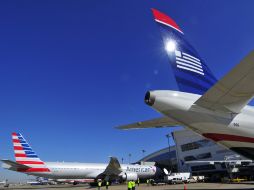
191, 72
26, 156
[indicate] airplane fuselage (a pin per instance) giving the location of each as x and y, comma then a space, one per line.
65, 170
234, 131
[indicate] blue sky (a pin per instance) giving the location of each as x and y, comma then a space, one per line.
70, 71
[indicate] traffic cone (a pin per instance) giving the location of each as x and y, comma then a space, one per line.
185, 187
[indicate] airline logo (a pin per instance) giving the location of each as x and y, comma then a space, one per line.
25, 155
191, 72
188, 62
138, 169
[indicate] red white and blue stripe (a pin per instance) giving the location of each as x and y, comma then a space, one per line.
25, 155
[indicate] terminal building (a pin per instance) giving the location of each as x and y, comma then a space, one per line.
192, 147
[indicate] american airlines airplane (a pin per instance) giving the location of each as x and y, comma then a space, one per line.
29, 163
215, 109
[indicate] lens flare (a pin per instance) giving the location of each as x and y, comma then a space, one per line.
170, 46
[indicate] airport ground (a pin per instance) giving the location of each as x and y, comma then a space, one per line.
192, 186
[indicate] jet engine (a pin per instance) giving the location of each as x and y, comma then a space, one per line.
128, 176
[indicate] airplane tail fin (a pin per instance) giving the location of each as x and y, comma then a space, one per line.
191, 72
26, 156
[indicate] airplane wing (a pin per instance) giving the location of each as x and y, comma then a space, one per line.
233, 91
158, 123
8, 164
113, 168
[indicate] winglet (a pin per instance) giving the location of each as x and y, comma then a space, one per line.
165, 19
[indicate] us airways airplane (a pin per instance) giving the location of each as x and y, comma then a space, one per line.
215, 109
29, 163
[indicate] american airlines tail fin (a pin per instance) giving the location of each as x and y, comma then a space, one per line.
26, 156
191, 72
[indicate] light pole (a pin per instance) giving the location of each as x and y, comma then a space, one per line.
169, 136
143, 153
129, 158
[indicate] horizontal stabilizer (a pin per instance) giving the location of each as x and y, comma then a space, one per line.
153, 123
8, 164
233, 91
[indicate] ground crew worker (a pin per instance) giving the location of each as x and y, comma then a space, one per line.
99, 184
129, 184
138, 181
107, 184
147, 182
133, 185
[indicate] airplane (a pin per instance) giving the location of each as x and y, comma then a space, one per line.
4, 182
215, 109
29, 163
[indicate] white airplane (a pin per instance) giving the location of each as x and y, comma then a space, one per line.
29, 163
4, 182
215, 109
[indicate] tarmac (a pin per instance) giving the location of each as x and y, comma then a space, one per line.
192, 186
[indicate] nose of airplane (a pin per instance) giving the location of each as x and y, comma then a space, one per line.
149, 98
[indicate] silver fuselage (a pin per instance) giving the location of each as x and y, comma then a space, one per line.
234, 131
72, 170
